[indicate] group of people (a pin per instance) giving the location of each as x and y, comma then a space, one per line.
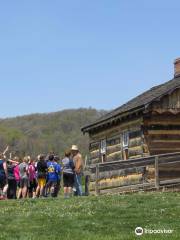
41, 177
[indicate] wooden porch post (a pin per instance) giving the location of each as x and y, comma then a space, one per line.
97, 190
87, 180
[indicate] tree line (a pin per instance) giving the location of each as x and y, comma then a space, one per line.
39, 133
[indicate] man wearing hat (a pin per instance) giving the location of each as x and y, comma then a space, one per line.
78, 162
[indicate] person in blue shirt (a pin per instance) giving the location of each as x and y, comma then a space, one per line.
58, 172
52, 176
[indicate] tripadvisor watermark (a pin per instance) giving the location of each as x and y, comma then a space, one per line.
139, 231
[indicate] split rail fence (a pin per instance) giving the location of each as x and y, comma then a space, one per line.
126, 168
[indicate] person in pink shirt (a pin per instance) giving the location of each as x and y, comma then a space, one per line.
32, 179
16, 170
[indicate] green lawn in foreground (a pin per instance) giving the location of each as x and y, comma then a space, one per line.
103, 218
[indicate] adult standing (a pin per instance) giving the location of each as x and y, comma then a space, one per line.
12, 184
68, 174
24, 180
13, 178
3, 177
32, 179
53, 171
78, 162
17, 161
41, 176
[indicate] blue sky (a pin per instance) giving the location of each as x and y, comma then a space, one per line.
58, 54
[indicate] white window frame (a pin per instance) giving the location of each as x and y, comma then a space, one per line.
103, 146
125, 139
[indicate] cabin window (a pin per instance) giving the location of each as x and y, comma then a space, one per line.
103, 146
125, 139
125, 143
103, 150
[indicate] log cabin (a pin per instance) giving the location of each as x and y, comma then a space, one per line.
149, 124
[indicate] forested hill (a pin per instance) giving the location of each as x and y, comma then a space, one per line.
40, 133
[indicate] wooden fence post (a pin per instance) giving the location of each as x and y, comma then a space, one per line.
97, 190
87, 179
157, 182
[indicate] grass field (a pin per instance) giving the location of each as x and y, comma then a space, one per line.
87, 218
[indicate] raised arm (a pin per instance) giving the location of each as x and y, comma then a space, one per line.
12, 161
6, 150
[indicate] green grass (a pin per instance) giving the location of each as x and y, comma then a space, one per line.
91, 218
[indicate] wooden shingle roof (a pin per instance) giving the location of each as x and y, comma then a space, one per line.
137, 103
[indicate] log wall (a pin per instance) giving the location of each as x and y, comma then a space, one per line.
94, 150
162, 133
162, 129
115, 150
162, 124
115, 130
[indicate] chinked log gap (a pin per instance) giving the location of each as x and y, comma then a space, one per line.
101, 170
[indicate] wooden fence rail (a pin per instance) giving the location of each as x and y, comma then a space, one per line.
101, 171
